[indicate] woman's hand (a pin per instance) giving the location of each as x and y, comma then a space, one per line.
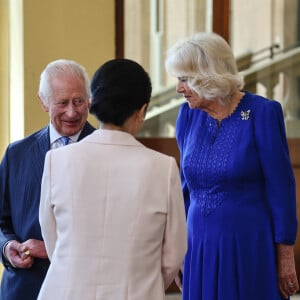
288, 282
179, 278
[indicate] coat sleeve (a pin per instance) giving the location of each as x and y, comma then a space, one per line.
46, 214
175, 236
181, 125
278, 172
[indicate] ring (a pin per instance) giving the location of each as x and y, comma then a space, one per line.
290, 284
27, 252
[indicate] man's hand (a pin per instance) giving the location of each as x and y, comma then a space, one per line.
21, 255
34, 248
15, 257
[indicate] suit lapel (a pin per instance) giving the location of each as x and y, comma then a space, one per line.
41, 148
87, 129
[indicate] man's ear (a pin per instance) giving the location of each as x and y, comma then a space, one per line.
43, 105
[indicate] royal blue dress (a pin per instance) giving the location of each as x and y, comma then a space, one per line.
240, 200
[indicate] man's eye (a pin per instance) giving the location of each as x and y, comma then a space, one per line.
78, 102
62, 103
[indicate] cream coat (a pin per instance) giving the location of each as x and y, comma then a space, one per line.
113, 220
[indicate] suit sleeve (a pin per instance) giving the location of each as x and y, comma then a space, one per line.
46, 214
278, 172
175, 237
6, 228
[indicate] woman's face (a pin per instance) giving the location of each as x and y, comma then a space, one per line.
194, 100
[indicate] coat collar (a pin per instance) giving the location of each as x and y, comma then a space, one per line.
115, 137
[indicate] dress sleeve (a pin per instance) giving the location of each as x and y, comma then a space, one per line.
181, 126
278, 173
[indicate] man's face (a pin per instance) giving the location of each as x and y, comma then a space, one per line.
68, 106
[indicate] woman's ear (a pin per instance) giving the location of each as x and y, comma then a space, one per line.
142, 112
139, 118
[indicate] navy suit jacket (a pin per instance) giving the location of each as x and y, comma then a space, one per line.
21, 172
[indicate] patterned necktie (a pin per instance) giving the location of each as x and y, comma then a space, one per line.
65, 140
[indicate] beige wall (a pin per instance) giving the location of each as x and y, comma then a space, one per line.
73, 29
53, 29
4, 77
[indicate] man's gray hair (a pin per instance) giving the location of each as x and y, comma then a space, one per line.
61, 68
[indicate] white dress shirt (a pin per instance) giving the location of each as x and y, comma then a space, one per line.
55, 141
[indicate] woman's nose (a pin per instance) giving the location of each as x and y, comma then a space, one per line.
179, 87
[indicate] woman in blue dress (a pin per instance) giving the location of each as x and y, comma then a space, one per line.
237, 180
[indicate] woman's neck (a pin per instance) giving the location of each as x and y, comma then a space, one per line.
220, 111
129, 126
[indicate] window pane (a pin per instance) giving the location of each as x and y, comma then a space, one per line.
266, 33
151, 27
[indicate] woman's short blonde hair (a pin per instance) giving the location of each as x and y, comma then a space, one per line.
207, 61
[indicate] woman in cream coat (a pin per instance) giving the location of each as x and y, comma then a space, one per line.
111, 211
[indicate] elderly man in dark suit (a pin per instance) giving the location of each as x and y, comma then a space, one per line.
64, 94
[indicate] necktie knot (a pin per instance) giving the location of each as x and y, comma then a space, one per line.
65, 140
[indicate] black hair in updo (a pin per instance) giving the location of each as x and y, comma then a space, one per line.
119, 88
